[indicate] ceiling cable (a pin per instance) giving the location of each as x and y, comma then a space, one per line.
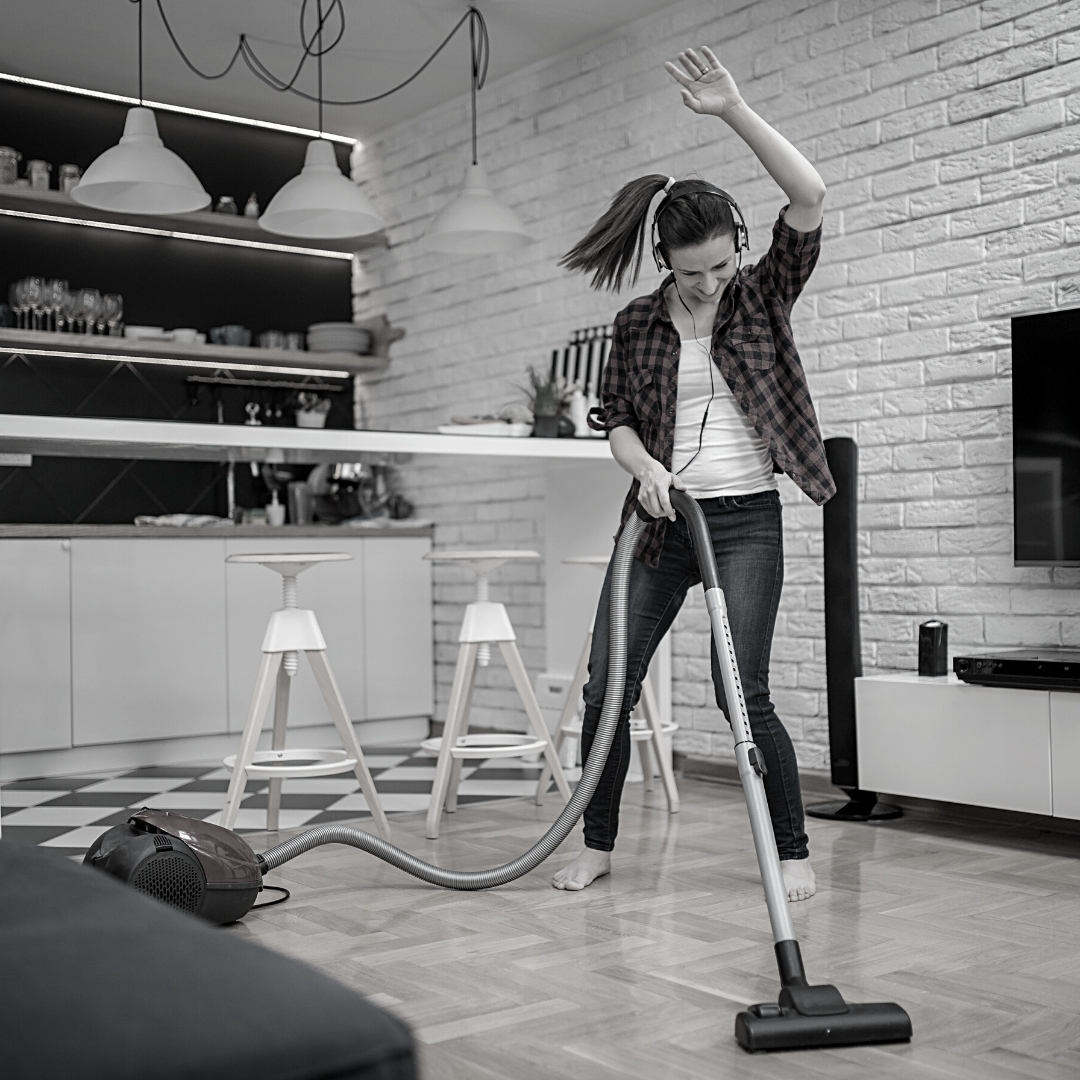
313, 47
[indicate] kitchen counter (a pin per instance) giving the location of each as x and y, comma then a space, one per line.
397, 530
80, 436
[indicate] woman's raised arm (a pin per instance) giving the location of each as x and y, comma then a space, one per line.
708, 88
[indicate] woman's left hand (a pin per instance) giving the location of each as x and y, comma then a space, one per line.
705, 84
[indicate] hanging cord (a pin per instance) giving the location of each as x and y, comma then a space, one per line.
319, 54
140, 53
245, 51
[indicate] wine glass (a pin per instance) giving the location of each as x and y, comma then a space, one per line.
89, 303
55, 290
15, 298
69, 306
33, 297
112, 311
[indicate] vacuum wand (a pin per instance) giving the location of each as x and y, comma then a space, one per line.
805, 1016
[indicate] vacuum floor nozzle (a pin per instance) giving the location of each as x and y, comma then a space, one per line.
776, 1027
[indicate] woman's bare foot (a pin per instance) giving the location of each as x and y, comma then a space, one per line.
799, 879
583, 871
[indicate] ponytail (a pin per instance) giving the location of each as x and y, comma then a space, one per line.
692, 212
612, 248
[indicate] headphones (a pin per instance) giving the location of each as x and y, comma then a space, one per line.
742, 237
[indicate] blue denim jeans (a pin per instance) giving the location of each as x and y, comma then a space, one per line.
747, 536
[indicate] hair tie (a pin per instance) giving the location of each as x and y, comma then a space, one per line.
669, 185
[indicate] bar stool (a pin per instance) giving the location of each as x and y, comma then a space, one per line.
291, 631
648, 734
485, 623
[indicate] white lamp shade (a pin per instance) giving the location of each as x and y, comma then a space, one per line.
476, 223
320, 203
139, 175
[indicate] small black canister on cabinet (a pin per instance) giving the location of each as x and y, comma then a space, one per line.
933, 648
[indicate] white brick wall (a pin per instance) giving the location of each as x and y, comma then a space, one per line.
946, 131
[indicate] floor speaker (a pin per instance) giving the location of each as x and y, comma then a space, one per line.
843, 646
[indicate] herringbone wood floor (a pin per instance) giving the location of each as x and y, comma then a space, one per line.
974, 929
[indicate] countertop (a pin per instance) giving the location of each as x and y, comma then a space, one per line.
79, 436
238, 532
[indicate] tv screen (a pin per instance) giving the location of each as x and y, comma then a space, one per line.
1046, 438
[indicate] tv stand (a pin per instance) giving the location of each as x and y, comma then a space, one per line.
942, 739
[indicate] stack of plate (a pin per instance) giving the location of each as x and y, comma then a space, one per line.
338, 337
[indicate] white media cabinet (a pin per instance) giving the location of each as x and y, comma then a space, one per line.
942, 739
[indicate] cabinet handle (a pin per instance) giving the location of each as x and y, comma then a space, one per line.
65, 545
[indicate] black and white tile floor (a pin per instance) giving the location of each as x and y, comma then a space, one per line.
68, 813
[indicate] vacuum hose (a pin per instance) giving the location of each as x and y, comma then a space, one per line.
621, 563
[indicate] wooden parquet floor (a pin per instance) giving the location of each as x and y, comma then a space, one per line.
973, 928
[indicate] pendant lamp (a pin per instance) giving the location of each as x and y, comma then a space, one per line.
476, 223
320, 203
139, 175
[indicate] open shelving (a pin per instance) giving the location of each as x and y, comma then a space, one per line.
200, 225
207, 357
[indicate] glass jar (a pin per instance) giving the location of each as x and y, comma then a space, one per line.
9, 165
38, 172
69, 176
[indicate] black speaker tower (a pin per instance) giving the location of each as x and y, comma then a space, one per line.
843, 649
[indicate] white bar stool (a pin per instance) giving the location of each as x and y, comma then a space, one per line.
648, 734
291, 631
485, 623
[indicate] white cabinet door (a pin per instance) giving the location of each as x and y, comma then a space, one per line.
947, 740
35, 645
400, 635
148, 638
334, 591
1065, 752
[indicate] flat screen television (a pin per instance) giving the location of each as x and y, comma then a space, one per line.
1046, 438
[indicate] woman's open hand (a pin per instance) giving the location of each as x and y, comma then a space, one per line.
705, 84
655, 482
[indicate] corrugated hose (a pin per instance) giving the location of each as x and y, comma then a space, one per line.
622, 560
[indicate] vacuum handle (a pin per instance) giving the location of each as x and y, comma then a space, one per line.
687, 506
699, 530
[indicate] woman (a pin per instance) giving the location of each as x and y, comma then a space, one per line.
704, 391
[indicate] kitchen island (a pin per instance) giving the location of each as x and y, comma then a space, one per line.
584, 488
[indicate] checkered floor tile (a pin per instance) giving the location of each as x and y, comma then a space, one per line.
69, 813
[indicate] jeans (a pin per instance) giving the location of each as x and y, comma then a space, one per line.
747, 536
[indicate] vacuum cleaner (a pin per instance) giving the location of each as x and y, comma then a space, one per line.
212, 872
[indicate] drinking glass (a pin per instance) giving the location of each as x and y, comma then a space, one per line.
15, 298
89, 303
34, 298
112, 311
69, 305
55, 291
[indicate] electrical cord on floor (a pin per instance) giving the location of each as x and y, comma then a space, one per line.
272, 903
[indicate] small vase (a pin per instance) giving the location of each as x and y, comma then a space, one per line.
546, 427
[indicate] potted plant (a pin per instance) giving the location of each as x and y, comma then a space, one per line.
547, 396
312, 410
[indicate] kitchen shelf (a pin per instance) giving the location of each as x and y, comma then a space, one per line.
201, 224
212, 357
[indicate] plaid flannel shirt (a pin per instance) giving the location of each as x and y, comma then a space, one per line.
753, 347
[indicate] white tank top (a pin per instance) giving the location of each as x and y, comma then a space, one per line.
733, 460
